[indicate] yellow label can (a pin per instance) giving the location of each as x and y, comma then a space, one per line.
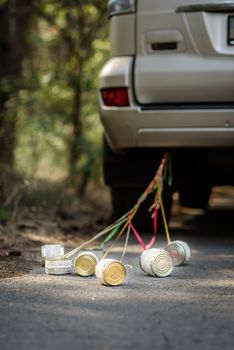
110, 272
85, 263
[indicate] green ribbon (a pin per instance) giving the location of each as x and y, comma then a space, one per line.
110, 236
170, 176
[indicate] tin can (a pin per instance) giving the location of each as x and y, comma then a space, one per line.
51, 251
84, 264
179, 251
156, 262
110, 272
58, 266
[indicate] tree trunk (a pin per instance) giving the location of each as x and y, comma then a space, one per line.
79, 181
14, 15
76, 129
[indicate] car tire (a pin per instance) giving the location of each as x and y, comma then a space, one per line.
195, 197
193, 177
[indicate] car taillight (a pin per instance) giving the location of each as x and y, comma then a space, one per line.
117, 7
115, 97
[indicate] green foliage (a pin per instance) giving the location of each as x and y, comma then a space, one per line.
5, 215
68, 45
3, 2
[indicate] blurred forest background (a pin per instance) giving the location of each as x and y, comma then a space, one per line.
51, 52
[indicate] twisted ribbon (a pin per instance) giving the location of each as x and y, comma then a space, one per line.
125, 222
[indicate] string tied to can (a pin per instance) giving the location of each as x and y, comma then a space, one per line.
155, 185
117, 229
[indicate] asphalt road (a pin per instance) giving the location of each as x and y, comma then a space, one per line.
191, 309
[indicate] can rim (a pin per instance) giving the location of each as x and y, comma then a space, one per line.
181, 249
91, 261
107, 271
160, 273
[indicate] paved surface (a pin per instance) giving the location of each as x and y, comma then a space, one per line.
191, 309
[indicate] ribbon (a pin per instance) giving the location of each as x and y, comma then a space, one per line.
155, 223
138, 237
126, 243
126, 219
170, 175
100, 234
153, 239
163, 215
133, 213
110, 236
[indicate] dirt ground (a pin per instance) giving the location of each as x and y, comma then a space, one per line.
70, 224
21, 241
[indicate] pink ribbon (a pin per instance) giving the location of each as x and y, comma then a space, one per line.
138, 237
153, 239
155, 220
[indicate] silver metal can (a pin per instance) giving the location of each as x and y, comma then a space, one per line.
58, 266
110, 272
156, 262
84, 264
51, 251
179, 251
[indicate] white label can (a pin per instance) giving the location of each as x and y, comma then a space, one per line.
58, 266
51, 251
179, 251
156, 262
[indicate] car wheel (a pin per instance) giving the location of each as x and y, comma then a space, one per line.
194, 196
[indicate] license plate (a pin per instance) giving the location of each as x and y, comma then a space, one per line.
231, 30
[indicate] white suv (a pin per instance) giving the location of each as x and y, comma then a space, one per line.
168, 85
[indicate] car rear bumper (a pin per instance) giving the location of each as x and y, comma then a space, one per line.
160, 126
133, 127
